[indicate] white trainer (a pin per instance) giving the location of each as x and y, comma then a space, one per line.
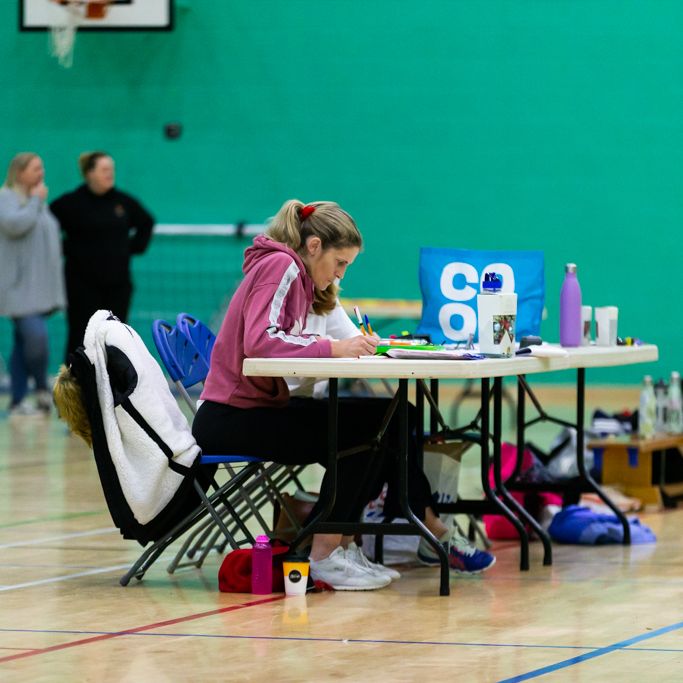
357, 556
24, 409
343, 575
44, 401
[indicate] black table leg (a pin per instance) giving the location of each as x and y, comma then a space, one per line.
498, 505
538, 529
497, 475
444, 587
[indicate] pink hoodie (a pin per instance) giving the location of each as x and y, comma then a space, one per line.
264, 320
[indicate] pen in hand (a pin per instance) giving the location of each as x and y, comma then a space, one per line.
356, 310
368, 326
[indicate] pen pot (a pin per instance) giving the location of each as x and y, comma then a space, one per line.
496, 314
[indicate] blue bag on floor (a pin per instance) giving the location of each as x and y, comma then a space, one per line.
580, 525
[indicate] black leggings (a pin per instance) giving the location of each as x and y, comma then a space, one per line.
297, 434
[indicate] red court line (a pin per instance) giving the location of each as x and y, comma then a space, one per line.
139, 629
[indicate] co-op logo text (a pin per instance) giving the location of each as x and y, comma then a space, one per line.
460, 283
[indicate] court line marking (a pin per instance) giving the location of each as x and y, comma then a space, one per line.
621, 645
304, 639
28, 565
54, 518
65, 577
48, 539
139, 629
341, 640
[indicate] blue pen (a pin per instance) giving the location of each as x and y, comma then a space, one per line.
368, 326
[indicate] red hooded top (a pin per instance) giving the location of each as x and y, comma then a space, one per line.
265, 319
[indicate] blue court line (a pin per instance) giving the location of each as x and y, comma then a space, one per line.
621, 645
336, 640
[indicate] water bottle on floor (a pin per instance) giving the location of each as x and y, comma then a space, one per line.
662, 396
262, 566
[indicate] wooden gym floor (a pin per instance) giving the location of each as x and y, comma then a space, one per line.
608, 613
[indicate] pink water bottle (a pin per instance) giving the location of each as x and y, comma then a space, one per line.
262, 566
570, 308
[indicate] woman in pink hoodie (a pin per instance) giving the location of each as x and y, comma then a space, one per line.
307, 246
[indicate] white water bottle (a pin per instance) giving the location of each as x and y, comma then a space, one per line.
662, 396
496, 313
647, 410
674, 419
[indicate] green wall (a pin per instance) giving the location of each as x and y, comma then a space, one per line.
530, 124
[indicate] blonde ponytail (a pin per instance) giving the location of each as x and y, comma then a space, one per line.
286, 225
295, 222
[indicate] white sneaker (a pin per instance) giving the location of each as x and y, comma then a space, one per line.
24, 409
44, 401
343, 575
357, 556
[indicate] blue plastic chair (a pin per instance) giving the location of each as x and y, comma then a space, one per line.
200, 335
183, 362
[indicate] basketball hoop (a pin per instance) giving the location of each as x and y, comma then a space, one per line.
63, 33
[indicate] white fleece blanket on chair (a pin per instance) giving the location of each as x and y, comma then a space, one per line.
147, 482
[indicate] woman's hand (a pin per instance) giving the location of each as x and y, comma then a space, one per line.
39, 190
354, 347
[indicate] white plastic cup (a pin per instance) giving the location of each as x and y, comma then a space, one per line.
606, 319
586, 324
296, 575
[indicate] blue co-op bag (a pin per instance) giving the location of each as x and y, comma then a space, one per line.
450, 281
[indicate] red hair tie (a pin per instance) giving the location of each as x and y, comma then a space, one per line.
306, 211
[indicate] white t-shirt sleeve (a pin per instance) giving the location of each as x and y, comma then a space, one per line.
339, 325
335, 325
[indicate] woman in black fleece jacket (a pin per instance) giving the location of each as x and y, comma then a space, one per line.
102, 228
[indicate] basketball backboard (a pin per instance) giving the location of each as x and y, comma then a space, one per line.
121, 15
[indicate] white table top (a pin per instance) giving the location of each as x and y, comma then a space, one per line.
381, 367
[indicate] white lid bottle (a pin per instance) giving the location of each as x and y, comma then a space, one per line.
674, 419
647, 409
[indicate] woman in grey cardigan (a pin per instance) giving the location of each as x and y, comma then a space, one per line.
31, 280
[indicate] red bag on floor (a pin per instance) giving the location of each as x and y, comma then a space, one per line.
234, 576
497, 526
